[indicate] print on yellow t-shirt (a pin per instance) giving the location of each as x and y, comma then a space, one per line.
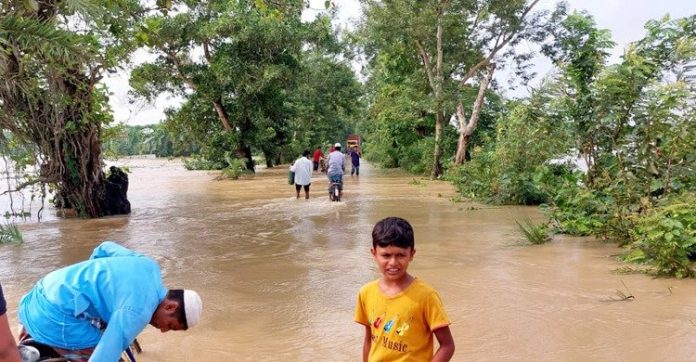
401, 325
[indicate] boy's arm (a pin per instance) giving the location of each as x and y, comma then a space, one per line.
367, 343
446, 350
8, 348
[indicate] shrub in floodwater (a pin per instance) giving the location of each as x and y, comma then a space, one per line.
416, 182
197, 162
535, 234
666, 237
9, 233
235, 169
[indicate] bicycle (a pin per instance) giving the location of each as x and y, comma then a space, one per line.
334, 192
335, 187
32, 351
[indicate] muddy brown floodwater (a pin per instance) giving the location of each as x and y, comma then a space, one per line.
279, 276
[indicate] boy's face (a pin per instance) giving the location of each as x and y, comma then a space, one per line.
393, 261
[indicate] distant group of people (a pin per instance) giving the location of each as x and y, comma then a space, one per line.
333, 165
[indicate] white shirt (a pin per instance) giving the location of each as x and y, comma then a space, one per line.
303, 171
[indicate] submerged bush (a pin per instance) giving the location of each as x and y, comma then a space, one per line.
9, 233
579, 211
235, 169
666, 237
197, 162
534, 233
474, 179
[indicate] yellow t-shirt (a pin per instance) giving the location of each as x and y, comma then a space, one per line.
402, 326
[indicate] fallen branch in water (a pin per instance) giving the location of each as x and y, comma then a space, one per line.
623, 296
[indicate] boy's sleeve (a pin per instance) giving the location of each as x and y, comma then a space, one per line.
109, 248
360, 315
435, 313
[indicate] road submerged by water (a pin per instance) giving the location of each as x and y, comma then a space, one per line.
279, 276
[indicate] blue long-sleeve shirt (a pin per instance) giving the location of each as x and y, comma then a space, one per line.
116, 286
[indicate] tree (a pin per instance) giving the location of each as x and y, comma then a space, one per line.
52, 57
454, 40
234, 63
580, 50
327, 99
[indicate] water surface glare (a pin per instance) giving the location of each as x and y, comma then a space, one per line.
279, 276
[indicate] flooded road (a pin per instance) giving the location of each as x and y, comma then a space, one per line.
279, 276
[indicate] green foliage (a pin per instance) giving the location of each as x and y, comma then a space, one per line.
269, 80
630, 124
534, 233
325, 104
235, 169
580, 211
217, 148
510, 169
53, 56
474, 179
579, 49
199, 163
10, 233
420, 54
666, 236
123, 140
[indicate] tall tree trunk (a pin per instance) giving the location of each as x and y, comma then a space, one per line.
437, 150
246, 152
436, 80
82, 181
466, 129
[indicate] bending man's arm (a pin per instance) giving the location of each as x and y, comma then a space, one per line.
109, 248
122, 329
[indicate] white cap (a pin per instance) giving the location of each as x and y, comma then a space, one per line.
338, 144
193, 306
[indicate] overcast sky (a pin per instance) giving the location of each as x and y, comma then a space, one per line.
624, 18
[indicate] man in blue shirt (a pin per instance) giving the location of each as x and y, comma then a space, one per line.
355, 161
96, 308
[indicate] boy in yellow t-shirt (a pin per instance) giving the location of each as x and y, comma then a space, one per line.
400, 312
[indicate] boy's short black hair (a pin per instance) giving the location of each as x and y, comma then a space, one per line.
305, 153
393, 231
177, 295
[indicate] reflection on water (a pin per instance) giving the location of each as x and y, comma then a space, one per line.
279, 276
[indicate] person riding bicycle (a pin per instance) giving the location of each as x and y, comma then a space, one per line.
337, 165
94, 309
